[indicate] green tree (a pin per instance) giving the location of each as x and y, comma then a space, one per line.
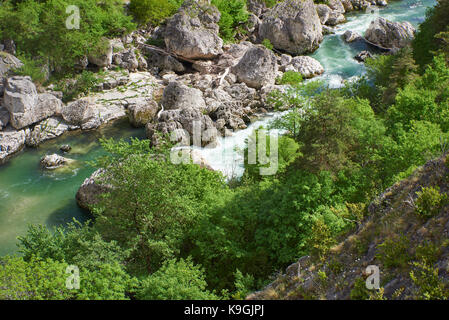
36, 279
176, 280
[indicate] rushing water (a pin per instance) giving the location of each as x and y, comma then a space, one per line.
337, 58
29, 195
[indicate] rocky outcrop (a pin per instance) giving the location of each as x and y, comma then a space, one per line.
293, 26
257, 7
179, 96
193, 31
391, 35
79, 112
392, 236
47, 129
257, 68
53, 161
307, 66
11, 141
90, 191
7, 62
126, 59
188, 126
142, 111
4, 117
363, 56
25, 105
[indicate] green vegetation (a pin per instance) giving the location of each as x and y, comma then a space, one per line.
430, 202
394, 252
73, 86
429, 284
267, 44
176, 280
179, 231
233, 18
290, 77
39, 28
153, 11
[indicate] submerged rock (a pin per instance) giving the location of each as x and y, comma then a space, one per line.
391, 35
65, 148
363, 56
53, 161
293, 26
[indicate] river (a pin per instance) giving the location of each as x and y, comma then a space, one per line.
30, 195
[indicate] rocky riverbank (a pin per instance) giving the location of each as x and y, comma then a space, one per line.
191, 76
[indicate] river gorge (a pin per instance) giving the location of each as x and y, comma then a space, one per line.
30, 195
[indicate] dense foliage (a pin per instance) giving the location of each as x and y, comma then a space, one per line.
179, 231
39, 28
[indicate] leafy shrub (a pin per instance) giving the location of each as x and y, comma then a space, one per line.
430, 202
393, 252
39, 28
429, 285
176, 280
33, 68
359, 292
290, 77
244, 285
320, 240
233, 17
153, 11
80, 84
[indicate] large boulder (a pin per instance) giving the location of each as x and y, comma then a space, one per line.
11, 141
179, 96
80, 112
293, 26
185, 124
257, 68
142, 111
45, 130
7, 62
391, 35
307, 66
193, 31
25, 105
